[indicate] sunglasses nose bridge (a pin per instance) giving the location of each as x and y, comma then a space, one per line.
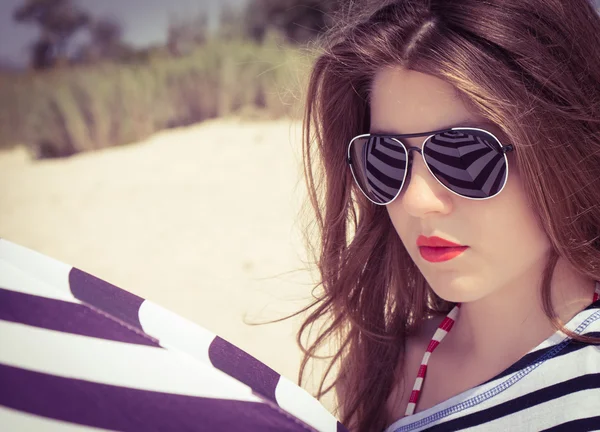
409, 160
409, 157
417, 149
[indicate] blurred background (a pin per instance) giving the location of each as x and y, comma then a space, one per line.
156, 145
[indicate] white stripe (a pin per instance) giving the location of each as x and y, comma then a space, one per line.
298, 402
14, 279
454, 313
439, 335
114, 363
53, 273
571, 325
570, 407
12, 420
418, 383
175, 332
557, 370
410, 408
581, 317
425, 358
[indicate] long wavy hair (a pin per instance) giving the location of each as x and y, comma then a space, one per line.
530, 66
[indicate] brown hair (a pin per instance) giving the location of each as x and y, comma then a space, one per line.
530, 66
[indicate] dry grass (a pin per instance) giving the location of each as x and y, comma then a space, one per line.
69, 110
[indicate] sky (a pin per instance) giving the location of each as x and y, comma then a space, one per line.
144, 21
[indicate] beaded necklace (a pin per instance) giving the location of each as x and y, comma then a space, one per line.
443, 329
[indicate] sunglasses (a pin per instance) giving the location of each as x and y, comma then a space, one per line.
469, 162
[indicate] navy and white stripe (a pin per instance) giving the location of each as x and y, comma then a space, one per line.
78, 353
556, 386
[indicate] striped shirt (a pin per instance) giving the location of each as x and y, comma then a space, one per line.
556, 386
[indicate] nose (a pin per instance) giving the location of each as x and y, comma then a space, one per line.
422, 194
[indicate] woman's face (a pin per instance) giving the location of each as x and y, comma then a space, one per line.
503, 237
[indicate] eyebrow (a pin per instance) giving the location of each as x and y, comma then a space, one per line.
466, 123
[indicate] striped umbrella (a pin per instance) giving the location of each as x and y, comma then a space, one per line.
77, 353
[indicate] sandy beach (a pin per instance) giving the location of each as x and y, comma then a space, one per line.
202, 220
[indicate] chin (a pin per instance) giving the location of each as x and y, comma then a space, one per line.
455, 288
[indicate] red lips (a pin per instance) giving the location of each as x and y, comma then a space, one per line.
436, 249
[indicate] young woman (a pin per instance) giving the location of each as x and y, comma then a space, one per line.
452, 153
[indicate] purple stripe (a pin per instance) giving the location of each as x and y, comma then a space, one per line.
66, 317
243, 367
125, 409
109, 298
341, 427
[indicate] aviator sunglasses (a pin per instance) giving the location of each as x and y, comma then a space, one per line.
469, 162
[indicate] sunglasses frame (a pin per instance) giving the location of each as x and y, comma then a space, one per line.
504, 150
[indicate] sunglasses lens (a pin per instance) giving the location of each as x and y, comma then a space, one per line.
379, 167
469, 162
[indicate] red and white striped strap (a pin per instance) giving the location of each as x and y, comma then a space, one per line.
439, 334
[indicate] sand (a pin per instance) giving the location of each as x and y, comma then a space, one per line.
202, 220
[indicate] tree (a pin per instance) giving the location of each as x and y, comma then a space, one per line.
58, 20
106, 33
231, 23
299, 20
185, 34
106, 41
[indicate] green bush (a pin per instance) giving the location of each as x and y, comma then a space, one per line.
68, 110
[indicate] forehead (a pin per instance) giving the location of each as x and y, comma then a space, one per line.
405, 101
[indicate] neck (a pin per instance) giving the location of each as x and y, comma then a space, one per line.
511, 321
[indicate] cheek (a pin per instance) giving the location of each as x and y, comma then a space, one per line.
509, 229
